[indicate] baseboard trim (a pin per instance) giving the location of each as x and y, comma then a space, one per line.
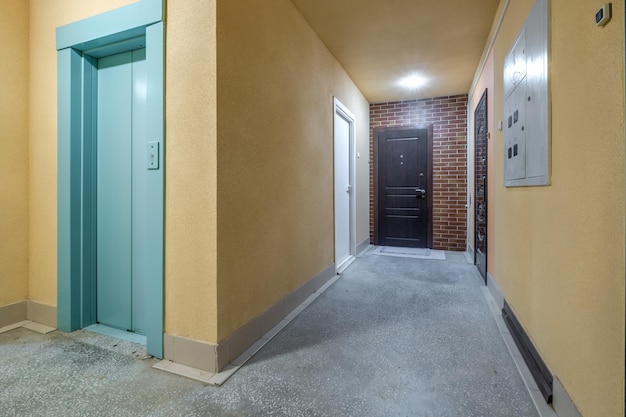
190, 352
561, 401
543, 409
539, 370
13, 313
343, 265
469, 254
246, 336
362, 247
213, 358
28, 310
42, 313
495, 291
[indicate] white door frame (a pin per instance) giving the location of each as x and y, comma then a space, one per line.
343, 112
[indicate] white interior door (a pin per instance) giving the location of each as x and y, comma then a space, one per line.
344, 186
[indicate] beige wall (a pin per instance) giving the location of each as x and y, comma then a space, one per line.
276, 82
14, 35
558, 251
191, 169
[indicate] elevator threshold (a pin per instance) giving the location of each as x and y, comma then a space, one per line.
118, 334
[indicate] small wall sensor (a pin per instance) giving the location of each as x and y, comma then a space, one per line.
603, 15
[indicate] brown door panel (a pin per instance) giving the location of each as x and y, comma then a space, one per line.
403, 186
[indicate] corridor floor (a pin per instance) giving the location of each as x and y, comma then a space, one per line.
392, 337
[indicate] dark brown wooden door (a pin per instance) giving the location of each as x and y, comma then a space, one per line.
404, 187
480, 186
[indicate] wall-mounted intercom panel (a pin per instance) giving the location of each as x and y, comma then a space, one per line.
604, 14
526, 103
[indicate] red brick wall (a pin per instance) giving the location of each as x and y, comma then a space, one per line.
448, 115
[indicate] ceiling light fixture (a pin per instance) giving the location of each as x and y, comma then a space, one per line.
412, 82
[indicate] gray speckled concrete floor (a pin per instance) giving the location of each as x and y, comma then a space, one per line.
392, 337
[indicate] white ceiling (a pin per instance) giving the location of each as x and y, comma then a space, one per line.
380, 41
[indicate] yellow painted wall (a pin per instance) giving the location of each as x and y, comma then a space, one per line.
558, 251
191, 169
14, 35
276, 82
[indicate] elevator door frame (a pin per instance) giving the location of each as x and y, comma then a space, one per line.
79, 45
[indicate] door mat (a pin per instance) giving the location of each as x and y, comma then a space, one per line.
419, 253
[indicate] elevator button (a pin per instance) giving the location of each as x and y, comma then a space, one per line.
152, 155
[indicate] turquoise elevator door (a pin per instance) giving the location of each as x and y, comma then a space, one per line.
121, 191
